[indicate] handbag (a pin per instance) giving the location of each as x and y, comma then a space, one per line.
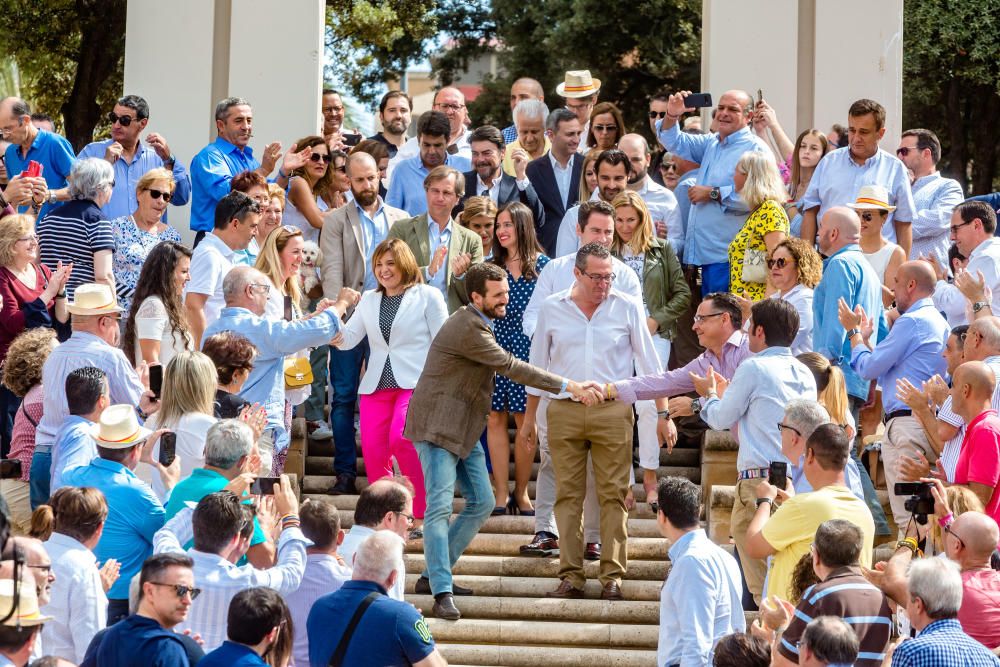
298, 372
754, 263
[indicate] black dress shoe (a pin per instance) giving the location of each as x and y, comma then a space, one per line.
423, 587
544, 544
344, 486
593, 551
567, 591
444, 607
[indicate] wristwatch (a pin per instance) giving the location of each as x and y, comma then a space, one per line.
979, 305
853, 332
714, 194
695, 406
761, 501
663, 414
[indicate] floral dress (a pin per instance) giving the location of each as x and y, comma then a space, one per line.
766, 218
132, 246
508, 396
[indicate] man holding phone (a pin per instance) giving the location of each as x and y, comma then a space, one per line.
717, 211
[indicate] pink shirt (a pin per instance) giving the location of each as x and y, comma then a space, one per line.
22, 439
980, 610
979, 460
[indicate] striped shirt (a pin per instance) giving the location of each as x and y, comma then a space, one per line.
848, 595
73, 232
324, 574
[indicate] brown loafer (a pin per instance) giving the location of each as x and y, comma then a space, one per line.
612, 591
593, 551
566, 590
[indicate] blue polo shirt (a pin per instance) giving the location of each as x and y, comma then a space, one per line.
134, 516
138, 641
53, 152
212, 169
231, 654
201, 483
390, 633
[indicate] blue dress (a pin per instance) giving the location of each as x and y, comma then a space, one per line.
509, 396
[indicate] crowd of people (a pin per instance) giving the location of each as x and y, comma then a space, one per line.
601, 294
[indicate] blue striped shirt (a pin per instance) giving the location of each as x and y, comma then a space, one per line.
73, 232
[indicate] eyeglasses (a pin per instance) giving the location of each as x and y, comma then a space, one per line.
781, 263
267, 288
180, 589
951, 532
124, 121
657, 114
605, 128
600, 277
668, 166
955, 228
157, 194
320, 157
409, 517
794, 430
702, 318
903, 151
450, 107
43, 568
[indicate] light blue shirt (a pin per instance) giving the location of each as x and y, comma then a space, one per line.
53, 152
700, 602
439, 237
74, 448
127, 174
755, 402
838, 179
406, 189
134, 516
934, 200
212, 169
373, 230
712, 225
847, 275
684, 205
275, 339
851, 475
912, 350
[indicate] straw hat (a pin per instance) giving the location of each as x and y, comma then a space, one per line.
873, 197
27, 613
578, 83
93, 299
119, 428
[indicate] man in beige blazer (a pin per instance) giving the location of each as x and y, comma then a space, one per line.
347, 242
443, 248
447, 413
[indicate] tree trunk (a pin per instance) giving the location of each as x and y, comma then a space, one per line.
984, 153
956, 134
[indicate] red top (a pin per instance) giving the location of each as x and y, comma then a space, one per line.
15, 294
979, 459
22, 442
980, 610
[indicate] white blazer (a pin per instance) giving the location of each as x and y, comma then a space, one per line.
418, 320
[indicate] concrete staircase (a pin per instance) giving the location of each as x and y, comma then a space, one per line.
509, 621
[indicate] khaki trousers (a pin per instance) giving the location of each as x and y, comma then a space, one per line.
744, 508
904, 436
605, 432
15, 492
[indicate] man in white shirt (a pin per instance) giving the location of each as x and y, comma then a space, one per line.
973, 225
221, 531
660, 201
236, 219
593, 331
614, 171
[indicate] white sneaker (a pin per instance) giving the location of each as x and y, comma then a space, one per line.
322, 433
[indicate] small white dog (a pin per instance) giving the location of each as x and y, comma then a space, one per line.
309, 272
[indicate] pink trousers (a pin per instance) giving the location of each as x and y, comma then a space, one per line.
383, 415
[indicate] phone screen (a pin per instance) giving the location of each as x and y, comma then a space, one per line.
263, 486
351, 139
778, 474
168, 448
156, 380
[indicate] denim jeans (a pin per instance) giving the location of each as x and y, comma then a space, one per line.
40, 477
871, 497
345, 376
444, 543
714, 278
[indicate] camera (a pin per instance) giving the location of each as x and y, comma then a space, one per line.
920, 502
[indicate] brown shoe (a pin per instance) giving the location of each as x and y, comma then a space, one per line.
566, 590
612, 591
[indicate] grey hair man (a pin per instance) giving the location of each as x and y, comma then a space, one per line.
828, 640
52, 151
529, 120
802, 417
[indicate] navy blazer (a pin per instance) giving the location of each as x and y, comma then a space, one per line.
508, 193
543, 179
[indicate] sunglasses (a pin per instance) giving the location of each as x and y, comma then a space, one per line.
180, 589
320, 157
868, 216
605, 128
124, 121
657, 114
157, 194
781, 263
905, 150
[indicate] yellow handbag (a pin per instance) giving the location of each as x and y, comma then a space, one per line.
298, 372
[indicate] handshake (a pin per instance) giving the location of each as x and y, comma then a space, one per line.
588, 393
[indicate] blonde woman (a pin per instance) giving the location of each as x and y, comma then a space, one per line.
666, 296
480, 215
187, 405
272, 215
759, 183
588, 174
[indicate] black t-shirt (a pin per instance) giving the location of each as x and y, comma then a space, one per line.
228, 406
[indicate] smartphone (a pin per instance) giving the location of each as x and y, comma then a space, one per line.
697, 100
777, 474
263, 486
168, 448
34, 170
288, 308
351, 139
10, 468
760, 96
156, 380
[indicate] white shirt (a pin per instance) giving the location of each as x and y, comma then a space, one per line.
191, 430
934, 200
220, 580
77, 604
568, 241
949, 300
662, 205
801, 297
564, 175
558, 276
355, 536
152, 323
324, 574
613, 344
210, 263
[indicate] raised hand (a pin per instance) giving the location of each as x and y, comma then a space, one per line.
113, 152
704, 385
158, 144
109, 573
937, 390
295, 159
974, 289
272, 153
461, 264
437, 261
675, 106
520, 159
849, 319
254, 416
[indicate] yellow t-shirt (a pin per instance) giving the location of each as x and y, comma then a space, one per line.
768, 217
508, 164
791, 530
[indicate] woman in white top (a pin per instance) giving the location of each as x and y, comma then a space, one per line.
156, 328
885, 256
400, 317
795, 269
308, 189
187, 404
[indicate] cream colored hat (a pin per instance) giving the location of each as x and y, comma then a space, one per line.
119, 428
93, 299
873, 197
27, 613
578, 83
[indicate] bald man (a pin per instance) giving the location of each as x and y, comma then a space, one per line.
912, 351
717, 211
660, 201
970, 541
524, 88
979, 460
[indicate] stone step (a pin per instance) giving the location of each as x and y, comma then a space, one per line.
497, 544
517, 597
503, 632
554, 656
539, 568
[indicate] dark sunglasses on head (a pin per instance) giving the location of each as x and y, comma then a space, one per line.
320, 157
156, 194
781, 263
125, 121
657, 114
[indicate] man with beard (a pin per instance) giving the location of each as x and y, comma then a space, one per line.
350, 234
333, 123
556, 175
487, 178
406, 187
659, 200
394, 115
614, 171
